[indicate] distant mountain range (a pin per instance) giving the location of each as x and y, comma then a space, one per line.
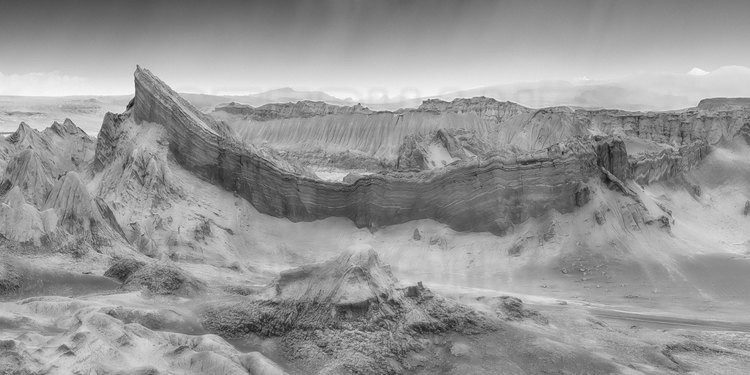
640, 92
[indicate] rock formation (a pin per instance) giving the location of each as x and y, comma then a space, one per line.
30, 173
157, 278
353, 280
106, 141
37, 158
22, 222
443, 147
301, 109
86, 219
724, 104
679, 138
351, 307
107, 338
486, 195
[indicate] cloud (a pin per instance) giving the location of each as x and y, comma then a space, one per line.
43, 84
697, 72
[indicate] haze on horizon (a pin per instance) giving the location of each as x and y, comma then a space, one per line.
359, 49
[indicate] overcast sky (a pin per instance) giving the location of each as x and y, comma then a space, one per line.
358, 48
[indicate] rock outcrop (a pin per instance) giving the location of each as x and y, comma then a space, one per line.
350, 306
106, 141
352, 280
388, 135
156, 278
303, 109
80, 215
443, 147
489, 195
63, 147
95, 337
646, 169
724, 104
613, 156
25, 136
31, 174
24, 223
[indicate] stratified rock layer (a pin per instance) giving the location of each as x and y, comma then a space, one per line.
489, 195
503, 124
659, 144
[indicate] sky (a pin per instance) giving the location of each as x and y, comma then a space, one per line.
356, 48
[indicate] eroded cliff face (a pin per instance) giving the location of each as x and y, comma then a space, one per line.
302, 109
380, 134
669, 136
646, 169
486, 195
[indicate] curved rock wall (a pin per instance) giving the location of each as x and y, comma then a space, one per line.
488, 195
674, 128
380, 134
502, 124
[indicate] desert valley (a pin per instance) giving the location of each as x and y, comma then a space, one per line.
471, 236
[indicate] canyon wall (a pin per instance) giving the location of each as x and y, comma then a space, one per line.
672, 135
380, 134
483, 195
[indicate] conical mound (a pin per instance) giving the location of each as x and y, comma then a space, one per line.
355, 278
26, 136
21, 222
29, 172
73, 204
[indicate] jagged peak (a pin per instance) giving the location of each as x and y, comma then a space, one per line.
71, 128
26, 135
107, 141
28, 169
68, 127
149, 88
24, 128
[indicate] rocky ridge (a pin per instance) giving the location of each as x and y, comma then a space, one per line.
44, 199
302, 109
486, 195
670, 136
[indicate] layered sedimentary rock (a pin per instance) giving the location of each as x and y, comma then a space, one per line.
668, 163
302, 109
443, 147
105, 143
488, 195
613, 156
714, 104
380, 134
503, 125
